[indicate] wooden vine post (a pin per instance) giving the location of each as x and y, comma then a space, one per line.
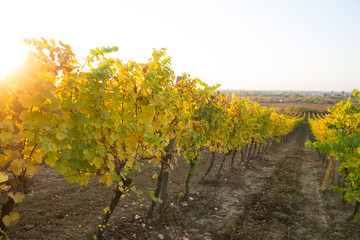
167, 174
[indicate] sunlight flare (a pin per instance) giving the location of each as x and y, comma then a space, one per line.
13, 53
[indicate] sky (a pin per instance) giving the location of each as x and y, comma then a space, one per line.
250, 45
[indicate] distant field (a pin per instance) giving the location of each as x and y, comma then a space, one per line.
303, 107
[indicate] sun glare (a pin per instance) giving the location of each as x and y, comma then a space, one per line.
13, 53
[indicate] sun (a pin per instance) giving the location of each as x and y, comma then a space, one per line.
12, 54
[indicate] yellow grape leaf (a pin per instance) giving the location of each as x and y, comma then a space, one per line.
11, 219
109, 180
83, 179
32, 169
15, 154
3, 160
7, 124
110, 163
51, 159
26, 100
60, 136
98, 161
110, 157
5, 135
132, 140
148, 91
17, 197
63, 127
37, 158
147, 114
23, 115
4, 188
51, 164
130, 162
111, 138
3, 177
15, 138
49, 129
102, 178
17, 166
106, 210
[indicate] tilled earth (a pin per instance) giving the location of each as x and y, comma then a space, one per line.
274, 195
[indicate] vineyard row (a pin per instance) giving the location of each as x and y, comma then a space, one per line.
338, 140
104, 118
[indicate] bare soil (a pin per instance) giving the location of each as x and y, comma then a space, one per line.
274, 195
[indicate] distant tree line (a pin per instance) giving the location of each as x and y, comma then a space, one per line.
313, 97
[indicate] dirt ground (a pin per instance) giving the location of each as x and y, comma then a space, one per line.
275, 195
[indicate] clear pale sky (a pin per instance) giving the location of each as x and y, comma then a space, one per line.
264, 45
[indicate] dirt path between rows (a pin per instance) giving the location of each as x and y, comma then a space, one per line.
274, 195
